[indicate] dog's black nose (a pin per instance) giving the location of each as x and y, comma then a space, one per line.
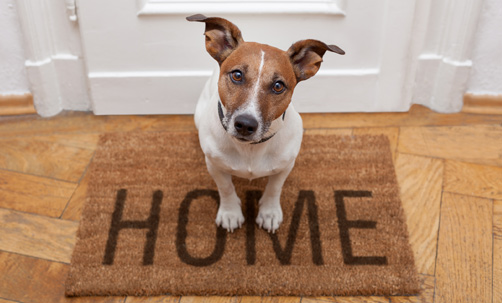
245, 125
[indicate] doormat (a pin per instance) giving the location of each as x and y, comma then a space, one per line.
148, 224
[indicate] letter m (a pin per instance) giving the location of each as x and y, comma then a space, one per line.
284, 254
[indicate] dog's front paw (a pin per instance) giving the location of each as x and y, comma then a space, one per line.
230, 218
269, 217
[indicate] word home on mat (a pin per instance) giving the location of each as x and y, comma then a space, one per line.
283, 253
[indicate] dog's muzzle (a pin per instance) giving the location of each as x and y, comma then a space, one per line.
245, 125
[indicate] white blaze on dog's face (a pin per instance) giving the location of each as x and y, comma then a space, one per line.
256, 81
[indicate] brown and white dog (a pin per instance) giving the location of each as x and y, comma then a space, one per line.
246, 122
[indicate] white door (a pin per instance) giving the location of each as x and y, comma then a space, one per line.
143, 57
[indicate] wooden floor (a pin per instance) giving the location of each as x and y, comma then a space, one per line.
449, 168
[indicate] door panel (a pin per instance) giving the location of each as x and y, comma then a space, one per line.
143, 57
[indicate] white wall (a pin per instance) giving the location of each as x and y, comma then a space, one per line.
486, 73
13, 78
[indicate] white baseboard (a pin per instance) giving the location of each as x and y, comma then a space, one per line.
58, 83
441, 83
54, 65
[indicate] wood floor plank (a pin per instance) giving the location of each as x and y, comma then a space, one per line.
50, 156
464, 261
157, 299
280, 299
497, 251
250, 299
473, 179
497, 269
420, 181
475, 144
37, 236
84, 141
66, 122
426, 295
391, 132
85, 123
497, 218
31, 280
34, 194
417, 116
276, 299
77, 201
209, 299
172, 123
357, 299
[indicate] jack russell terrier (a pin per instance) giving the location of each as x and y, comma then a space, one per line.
246, 122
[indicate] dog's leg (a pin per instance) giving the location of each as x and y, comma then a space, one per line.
270, 213
229, 213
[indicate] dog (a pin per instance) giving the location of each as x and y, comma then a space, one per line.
246, 123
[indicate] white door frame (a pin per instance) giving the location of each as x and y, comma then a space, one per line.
436, 74
443, 47
54, 63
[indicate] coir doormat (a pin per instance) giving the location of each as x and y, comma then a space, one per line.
148, 224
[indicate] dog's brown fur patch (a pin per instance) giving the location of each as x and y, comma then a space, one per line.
276, 67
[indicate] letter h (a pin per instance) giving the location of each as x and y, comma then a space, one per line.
152, 224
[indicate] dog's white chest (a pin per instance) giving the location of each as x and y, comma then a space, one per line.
251, 163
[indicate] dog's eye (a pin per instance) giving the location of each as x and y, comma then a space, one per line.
236, 76
278, 87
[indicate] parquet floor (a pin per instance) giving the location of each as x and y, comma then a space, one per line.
449, 168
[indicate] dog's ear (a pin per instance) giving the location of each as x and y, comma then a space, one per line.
222, 36
306, 57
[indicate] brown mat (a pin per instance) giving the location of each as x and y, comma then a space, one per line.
148, 224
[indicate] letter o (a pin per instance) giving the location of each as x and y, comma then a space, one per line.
181, 233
